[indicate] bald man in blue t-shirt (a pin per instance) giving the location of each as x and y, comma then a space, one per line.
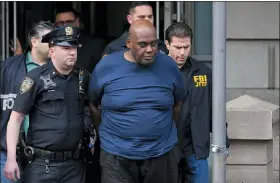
140, 93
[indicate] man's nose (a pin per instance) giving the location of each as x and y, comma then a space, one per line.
182, 51
73, 51
149, 48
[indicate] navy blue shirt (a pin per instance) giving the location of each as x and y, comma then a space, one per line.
137, 105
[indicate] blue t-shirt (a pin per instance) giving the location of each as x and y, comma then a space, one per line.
137, 105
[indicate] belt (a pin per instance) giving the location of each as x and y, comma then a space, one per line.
56, 156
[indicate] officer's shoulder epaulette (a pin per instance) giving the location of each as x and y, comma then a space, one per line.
86, 72
83, 71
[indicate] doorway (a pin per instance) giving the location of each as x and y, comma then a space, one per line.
106, 20
16, 20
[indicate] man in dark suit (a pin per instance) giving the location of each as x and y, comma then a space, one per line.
91, 48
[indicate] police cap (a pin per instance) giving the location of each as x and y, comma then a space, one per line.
63, 36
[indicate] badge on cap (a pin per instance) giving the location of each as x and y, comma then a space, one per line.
69, 31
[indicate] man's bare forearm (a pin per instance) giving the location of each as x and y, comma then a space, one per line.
96, 114
13, 128
176, 112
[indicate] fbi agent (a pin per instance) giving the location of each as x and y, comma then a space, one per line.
53, 96
195, 121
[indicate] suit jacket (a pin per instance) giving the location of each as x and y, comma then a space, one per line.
90, 51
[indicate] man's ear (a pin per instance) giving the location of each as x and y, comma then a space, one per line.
51, 51
78, 22
129, 19
34, 42
167, 44
128, 43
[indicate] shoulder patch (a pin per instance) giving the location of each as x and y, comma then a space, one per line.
26, 84
81, 80
84, 77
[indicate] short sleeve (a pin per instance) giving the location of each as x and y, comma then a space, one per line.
26, 96
179, 92
95, 89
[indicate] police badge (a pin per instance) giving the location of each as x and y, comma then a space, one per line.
68, 31
26, 84
48, 82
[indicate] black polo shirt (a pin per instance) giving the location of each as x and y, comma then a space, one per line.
55, 104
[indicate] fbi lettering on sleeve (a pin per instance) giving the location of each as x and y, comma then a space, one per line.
26, 84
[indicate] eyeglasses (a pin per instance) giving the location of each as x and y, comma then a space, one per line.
66, 22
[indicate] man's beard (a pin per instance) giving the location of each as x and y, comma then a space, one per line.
142, 62
146, 63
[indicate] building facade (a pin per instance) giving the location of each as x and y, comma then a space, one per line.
252, 35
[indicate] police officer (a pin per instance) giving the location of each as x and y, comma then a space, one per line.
53, 96
137, 10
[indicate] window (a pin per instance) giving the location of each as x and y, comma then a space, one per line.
199, 16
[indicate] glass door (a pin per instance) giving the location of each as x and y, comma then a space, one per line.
8, 27
173, 12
